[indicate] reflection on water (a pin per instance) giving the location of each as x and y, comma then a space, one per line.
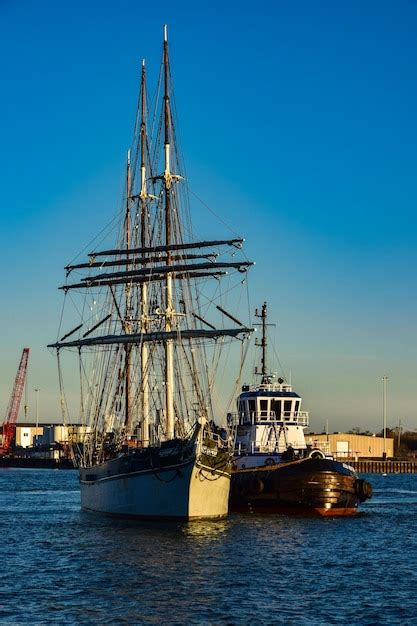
205, 529
245, 569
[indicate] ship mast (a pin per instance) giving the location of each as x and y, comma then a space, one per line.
263, 344
127, 326
169, 311
143, 196
139, 267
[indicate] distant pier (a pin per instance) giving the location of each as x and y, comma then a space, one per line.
369, 466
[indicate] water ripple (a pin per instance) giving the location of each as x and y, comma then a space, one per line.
66, 566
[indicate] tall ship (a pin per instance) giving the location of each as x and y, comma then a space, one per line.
274, 469
150, 328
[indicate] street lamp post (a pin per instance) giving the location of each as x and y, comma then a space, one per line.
37, 390
384, 413
399, 434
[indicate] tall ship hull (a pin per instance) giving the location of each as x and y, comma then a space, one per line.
321, 487
147, 485
274, 471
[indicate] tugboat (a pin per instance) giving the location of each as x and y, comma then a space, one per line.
274, 470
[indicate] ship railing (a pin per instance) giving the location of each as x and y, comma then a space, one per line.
239, 449
319, 444
266, 449
220, 439
271, 386
254, 447
299, 418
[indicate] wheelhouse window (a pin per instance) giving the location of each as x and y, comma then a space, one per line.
297, 406
252, 406
264, 408
287, 406
276, 408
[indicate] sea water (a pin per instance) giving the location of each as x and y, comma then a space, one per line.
63, 566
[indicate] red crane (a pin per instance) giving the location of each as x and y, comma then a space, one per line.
9, 424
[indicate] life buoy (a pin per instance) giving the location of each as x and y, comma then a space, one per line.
317, 454
270, 461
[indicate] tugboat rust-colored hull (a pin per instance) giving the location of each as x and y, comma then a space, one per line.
309, 486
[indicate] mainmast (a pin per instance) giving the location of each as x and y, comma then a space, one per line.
169, 310
143, 197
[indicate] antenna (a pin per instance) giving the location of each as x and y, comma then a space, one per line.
266, 378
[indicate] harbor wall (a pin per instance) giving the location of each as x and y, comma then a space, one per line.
371, 466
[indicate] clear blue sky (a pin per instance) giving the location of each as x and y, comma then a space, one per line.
298, 123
